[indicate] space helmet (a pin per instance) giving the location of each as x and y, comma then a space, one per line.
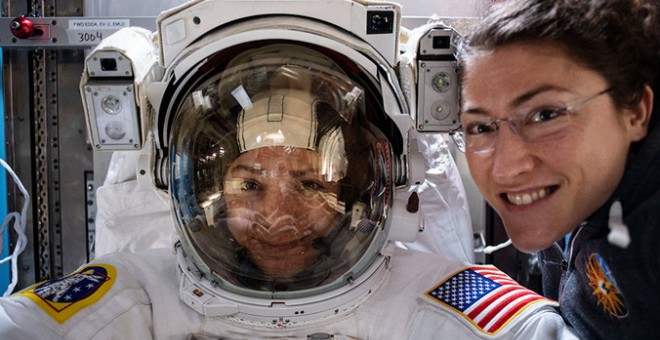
280, 171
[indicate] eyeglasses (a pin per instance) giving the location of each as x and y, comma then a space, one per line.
480, 136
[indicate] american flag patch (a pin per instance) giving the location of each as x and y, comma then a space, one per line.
486, 297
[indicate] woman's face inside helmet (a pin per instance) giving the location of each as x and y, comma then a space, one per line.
280, 207
279, 180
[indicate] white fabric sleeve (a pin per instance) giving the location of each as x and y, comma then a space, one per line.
131, 216
448, 227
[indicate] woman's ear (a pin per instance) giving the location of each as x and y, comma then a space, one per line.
640, 116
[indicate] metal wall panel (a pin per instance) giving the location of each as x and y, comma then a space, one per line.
46, 146
18, 136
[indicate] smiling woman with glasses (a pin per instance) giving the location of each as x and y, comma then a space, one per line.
558, 131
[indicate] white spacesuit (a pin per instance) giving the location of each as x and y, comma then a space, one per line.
286, 159
138, 298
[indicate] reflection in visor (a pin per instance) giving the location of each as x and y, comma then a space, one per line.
278, 180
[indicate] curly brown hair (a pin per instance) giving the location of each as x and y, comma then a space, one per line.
620, 39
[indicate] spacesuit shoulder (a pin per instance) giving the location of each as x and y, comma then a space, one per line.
491, 304
82, 303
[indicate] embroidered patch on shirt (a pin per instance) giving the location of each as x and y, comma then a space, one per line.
607, 293
62, 298
486, 297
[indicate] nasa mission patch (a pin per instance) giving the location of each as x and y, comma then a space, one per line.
62, 298
605, 290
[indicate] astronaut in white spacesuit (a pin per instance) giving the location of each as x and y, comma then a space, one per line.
284, 168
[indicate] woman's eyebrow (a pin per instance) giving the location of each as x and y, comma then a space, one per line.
519, 100
258, 170
305, 172
247, 168
474, 111
526, 96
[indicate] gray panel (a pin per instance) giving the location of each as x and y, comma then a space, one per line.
68, 32
46, 146
75, 160
46, 176
18, 135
